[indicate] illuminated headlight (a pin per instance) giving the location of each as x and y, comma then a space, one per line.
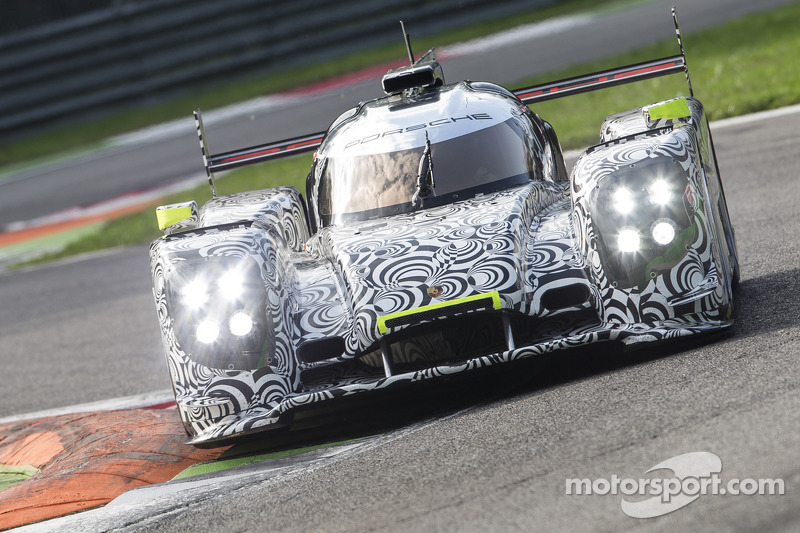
643, 220
628, 240
218, 309
663, 232
660, 192
194, 294
240, 324
207, 332
231, 284
623, 201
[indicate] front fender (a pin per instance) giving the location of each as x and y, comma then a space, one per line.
644, 224
203, 280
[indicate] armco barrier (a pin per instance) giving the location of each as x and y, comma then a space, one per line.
145, 50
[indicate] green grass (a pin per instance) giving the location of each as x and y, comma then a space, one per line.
227, 461
68, 139
10, 475
731, 75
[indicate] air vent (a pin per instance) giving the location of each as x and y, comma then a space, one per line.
564, 297
320, 349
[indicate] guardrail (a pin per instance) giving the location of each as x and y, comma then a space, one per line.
145, 50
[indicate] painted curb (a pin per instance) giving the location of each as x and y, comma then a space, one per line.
85, 460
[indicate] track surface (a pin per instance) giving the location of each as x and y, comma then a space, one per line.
79, 331
86, 330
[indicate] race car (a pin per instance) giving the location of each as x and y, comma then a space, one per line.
440, 233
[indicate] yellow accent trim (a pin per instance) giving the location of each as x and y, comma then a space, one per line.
495, 296
168, 215
673, 109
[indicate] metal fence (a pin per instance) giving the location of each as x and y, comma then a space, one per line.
145, 50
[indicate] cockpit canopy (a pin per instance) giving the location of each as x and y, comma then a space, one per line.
368, 166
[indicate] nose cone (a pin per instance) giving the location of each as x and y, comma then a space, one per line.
439, 255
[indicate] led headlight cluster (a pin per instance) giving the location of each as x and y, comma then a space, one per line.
219, 310
643, 216
659, 194
230, 289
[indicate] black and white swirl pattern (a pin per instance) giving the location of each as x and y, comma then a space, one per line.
521, 242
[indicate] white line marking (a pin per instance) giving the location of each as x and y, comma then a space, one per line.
128, 402
106, 206
516, 35
185, 126
754, 117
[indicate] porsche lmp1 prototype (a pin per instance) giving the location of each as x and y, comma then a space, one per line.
439, 233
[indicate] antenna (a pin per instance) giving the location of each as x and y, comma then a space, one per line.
683, 54
408, 42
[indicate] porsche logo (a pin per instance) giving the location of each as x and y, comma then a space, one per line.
435, 291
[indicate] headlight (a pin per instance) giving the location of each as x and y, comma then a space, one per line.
660, 192
218, 307
231, 284
623, 201
628, 241
194, 294
643, 220
207, 332
240, 324
663, 232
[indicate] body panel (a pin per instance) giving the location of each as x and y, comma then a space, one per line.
470, 278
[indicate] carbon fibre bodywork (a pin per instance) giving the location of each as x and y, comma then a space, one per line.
635, 246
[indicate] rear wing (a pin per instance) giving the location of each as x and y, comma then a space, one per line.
610, 78
252, 155
528, 95
600, 80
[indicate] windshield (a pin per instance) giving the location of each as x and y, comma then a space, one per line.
359, 187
